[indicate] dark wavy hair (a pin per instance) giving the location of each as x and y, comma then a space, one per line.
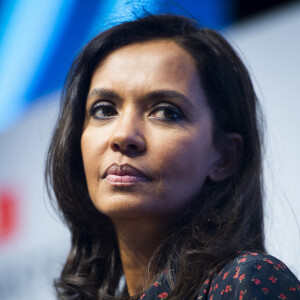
226, 218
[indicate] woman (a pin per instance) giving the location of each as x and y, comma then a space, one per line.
156, 168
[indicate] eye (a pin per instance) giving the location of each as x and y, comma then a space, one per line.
167, 112
103, 110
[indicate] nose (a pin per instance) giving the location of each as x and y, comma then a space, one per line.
128, 136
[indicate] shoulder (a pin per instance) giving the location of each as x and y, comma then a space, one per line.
253, 276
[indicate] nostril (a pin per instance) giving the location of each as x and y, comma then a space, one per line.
132, 146
127, 144
117, 147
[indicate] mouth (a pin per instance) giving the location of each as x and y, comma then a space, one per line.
124, 175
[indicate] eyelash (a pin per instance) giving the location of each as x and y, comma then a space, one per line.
103, 105
177, 114
170, 109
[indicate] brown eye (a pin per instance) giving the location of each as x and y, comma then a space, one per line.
103, 110
167, 113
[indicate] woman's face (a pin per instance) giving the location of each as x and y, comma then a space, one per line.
147, 140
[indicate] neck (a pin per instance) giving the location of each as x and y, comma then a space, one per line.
138, 240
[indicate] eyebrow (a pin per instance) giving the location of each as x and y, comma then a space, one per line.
103, 93
165, 94
155, 95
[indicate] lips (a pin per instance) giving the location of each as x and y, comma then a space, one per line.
124, 174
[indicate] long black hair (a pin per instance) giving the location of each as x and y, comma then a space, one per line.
226, 218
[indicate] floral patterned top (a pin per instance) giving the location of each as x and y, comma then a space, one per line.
250, 276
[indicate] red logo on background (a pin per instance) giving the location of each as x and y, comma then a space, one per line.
8, 214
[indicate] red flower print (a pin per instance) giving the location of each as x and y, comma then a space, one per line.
222, 292
237, 272
242, 277
242, 260
206, 281
155, 284
268, 261
228, 288
163, 295
292, 289
254, 253
273, 279
225, 275
265, 290
205, 291
258, 267
143, 295
282, 296
256, 281
216, 286
211, 297
242, 293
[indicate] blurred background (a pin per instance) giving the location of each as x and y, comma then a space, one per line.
38, 42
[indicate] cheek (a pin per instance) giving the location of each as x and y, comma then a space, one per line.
182, 166
185, 159
86, 158
91, 150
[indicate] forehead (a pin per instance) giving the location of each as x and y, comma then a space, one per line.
157, 61
166, 50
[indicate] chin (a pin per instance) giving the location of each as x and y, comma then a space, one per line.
123, 206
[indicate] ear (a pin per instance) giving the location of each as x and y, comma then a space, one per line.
230, 148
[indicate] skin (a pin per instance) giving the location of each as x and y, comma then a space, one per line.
168, 136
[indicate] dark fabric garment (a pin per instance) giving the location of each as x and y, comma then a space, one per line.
250, 276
